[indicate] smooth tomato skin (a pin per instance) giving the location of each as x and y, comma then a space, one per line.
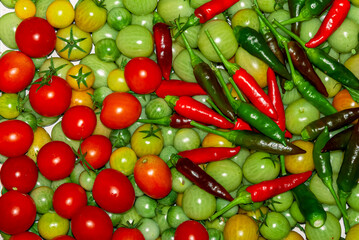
78, 122
153, 176
91, 223
25, 236
123, 233
19, 173
120, 110
113, 191
68, 199
35, 37
16, 72
16, 138
98, 149
63, 237
56, 160
50, 100
191, 230
17, 212
143, 75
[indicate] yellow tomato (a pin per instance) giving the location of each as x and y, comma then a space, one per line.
343, 100
60, 14
179, 199
80, 77
256, 214
300, 163
353, 233
41, 137
123, 159
25, 9
82, 98
101, 129
116, 81
213, 140
294, 236
241, 227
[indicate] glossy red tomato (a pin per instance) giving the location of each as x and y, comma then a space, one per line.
191, 230
98, 149
17, 212
50, 100
25, 236
35, 37
19, 173
16, 138
153, 176
91, 223
63, 237
16, 72
56, 160
113, 191
120, 110
123, 233
78, 122
143, 75
68, 199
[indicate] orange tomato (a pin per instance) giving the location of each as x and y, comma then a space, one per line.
240, 227
300, 163
82, 98
294, 236
213, 140
343, 100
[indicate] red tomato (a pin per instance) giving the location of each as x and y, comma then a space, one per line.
63, 237
98, 149
56, 160
17, 212
50, 100
78, 122
123, 233
19, 173
25, 236
120, 110
113, 191
35, 37
153, 176
143, 75
191, 230
68, 199
91, 223
15, 138
16, 72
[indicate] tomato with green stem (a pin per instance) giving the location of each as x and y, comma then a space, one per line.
147, 140
80, 77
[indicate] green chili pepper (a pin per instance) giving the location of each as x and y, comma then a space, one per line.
339, 141
294, 9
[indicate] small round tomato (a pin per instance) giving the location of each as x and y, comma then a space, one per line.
63, 237
41, 137
56, 160
78, 122
116, 81
147, 140
153, 176
60, 14
240, 227
300, 163
122, 233
90, 15
51, 225
343, 100
143, 75
191, 230
120, 110
123, 159
35, 37
25, 9
25, 236
98, 150
80, 77
82, 98
19, 173
16, 138
213, 140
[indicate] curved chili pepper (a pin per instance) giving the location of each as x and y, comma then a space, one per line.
294, 9
212, 8
333, 122
209, 154
163, 42
240, 124
265, 190
175, 121
334, 18
195, 110
339, 141
199, 177
179, 88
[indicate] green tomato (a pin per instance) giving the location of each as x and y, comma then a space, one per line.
353, 199
260, 166
275, 227
321, 191
345, 38
42, 197
281, 202
225, 172
246, 18
51, 225
87, 179
118, 18
186, 139
8, 26
106, 50
140, 7
168, 134
170, 10
55, 62
179, 182
143, 20
161, 219
330, 230
176, 216
149, 229
120, 137
58, 135
167, 152
331, 85
106, 31
9, 103
157, 108
191, 34
58, 183
309, 28
146, 206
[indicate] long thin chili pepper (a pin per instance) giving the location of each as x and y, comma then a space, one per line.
199, 177
209, 154
334, 18
265, 190
253, 140
179, 88
163, 42
324, 168
339, 141
294, 9
175, 121
333, 122
240, 124
195, 110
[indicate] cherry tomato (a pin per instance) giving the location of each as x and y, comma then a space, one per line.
78, 122
147, 140
25, 9
113, 191
240, 227
82, 98
80, 77
343, 100
15, 138
143, 75
19, 173
16, 72
56, 160
17, 212
63, 237
60, 14
191, 230
123, 233
91, 223
35, 37
90, 15
300, 163
68, 199
120, 110
153, 176
25, 236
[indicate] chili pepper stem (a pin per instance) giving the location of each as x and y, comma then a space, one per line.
343, 196
210, 130
210, 102
234, 85
165, 121
328, 182
282, 165
193, 20
171, 100
292, 35
303, 16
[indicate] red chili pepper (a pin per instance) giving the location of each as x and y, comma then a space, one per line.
240, 124
209, 154
179, 88
210, 9
276, 99
175, 121
195, 110
334, 18
249, 86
